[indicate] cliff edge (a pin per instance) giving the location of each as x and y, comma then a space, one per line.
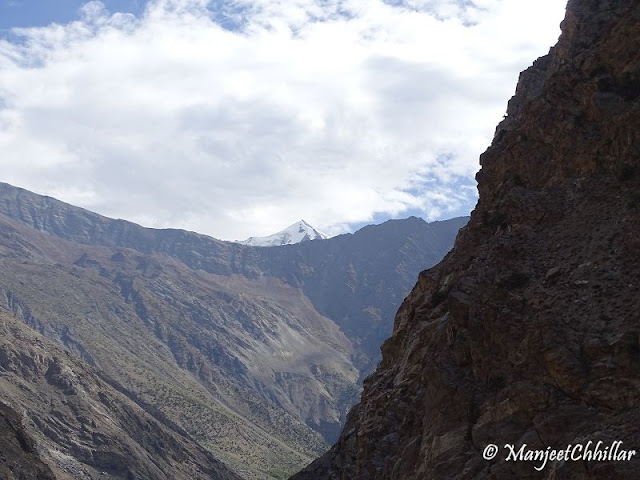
528, 332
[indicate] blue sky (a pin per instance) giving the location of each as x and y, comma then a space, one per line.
238, 118
38, 13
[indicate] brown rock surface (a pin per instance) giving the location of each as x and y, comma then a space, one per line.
528, 332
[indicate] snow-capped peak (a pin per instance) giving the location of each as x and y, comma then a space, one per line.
297, 233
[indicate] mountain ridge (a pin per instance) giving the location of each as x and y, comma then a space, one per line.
311, 266
237, 349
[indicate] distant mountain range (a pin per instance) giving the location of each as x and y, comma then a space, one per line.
254, 354
297, 233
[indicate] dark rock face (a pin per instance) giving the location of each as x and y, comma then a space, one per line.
528, 331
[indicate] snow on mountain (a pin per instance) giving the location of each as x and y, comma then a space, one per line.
297, 233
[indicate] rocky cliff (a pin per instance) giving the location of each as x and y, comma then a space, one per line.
527, 333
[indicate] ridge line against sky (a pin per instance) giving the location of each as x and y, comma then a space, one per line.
237, 118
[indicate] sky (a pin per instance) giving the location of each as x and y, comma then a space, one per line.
237, 118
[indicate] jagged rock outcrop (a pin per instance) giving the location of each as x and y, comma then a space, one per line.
528, 332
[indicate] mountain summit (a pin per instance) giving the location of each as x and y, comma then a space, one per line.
297, 233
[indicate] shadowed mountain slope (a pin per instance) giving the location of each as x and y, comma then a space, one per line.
358, 280
241, 364
59, 419
527, 333
256, 352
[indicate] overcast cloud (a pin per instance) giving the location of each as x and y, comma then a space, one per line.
237, 118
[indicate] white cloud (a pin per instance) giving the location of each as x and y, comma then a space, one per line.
331, 111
